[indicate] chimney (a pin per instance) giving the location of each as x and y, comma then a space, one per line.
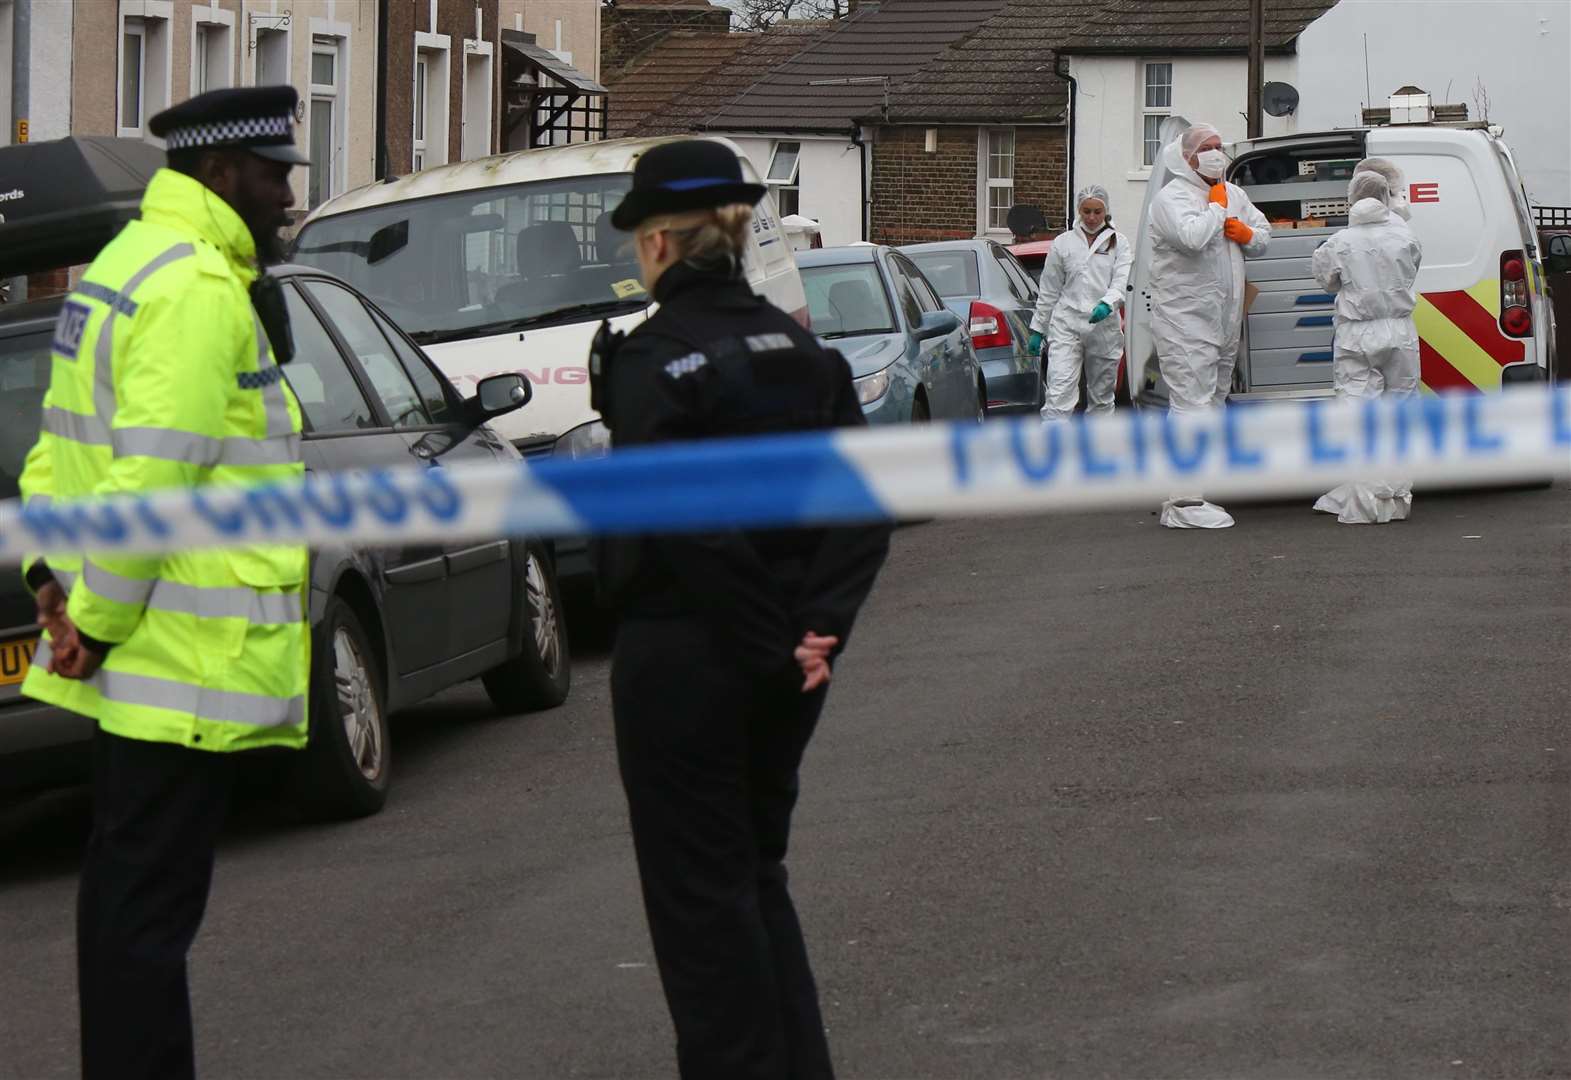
632, 26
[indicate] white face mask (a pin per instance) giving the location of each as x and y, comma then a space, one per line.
1212, 163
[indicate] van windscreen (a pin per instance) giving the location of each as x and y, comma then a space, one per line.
488, 260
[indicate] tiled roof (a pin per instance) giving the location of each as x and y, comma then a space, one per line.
1002, 73
1192, 25
695, 108
897, 38
674, 67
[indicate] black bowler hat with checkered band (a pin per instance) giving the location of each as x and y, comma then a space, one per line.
260, 119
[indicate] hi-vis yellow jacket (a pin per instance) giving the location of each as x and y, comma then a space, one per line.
163, 378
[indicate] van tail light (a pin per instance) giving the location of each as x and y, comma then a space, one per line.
989, 328
1516, 310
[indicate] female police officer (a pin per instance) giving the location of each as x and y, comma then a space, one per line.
726, 640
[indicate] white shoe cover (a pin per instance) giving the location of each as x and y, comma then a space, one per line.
1181, 512
1367, 504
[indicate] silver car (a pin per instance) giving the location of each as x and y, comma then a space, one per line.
911, 356
985, 285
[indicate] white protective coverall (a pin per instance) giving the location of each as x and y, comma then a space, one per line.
1197, 297
1372, 267
1081, 272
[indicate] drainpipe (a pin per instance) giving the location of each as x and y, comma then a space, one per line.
866, 209
21, 47
1061, 68
382, 90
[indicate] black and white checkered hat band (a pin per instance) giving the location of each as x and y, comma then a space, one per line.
228, 132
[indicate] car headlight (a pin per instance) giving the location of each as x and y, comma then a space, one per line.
869, 388
584, 441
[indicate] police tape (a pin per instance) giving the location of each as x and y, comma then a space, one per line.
1013, 466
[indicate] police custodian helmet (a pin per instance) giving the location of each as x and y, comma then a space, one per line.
689, 174
260, 119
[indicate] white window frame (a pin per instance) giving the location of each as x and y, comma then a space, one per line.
206, 21
791, 183
131, 28
436, 50
987, 183
264, 25
336, 95
469, 143
151, 19
1143, 86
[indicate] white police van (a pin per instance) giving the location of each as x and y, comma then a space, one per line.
509, 263
1483, 315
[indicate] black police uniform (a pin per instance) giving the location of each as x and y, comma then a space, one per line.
711, 722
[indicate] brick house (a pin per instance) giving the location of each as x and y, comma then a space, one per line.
906, 120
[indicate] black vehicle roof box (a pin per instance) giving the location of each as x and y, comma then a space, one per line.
62, 201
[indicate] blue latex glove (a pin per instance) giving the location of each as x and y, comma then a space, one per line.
1034, 343
1100, 312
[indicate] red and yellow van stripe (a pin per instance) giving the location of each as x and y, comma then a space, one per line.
1460, 345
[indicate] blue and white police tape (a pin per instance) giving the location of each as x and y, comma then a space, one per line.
1135, 458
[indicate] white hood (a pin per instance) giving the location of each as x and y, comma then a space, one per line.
1368, 212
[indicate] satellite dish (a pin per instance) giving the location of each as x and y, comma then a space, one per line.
1279, 99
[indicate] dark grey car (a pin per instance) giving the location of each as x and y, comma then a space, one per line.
981, 282
391, 626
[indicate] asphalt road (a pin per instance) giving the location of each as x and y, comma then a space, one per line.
1091, 799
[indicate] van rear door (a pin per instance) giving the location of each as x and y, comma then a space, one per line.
1300, 185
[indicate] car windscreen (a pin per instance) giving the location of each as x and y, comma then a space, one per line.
846, 300
24, 377
952, 273
486, 261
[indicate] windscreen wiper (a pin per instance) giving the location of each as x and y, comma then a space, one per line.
503, 326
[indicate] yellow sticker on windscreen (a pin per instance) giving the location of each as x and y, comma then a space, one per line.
627, 287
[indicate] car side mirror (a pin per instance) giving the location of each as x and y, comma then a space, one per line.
937, 324
498, 395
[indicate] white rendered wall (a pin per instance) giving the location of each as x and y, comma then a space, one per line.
1109, 125
830, 178
1519, 49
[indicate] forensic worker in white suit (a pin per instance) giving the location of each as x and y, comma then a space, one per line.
1081, 292
1201, 229
1372, 267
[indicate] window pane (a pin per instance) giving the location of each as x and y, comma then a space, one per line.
322, 65
320, 179
1159, 86
1000, 155
952, 273
199, 61
1012, 275
787, 200
1152, 139
846, 300
783, 168
460, 262
427, 382
999, 200
131, 81
327, 392
388, 381
420, 84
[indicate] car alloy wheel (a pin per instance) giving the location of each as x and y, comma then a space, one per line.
357, 704
543, 615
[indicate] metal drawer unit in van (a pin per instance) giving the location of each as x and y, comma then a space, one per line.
1289, 328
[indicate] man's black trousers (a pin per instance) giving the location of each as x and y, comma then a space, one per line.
157, 812
709, 762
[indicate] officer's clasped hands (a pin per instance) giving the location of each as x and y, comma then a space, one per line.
812, 656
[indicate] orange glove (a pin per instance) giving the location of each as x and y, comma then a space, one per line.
1219, 195
1237, 231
